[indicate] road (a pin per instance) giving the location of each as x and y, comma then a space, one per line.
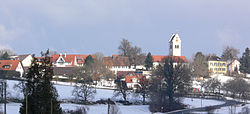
205, 109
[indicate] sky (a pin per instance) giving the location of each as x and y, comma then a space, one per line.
90, 26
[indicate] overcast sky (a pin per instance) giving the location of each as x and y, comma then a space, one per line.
89, 26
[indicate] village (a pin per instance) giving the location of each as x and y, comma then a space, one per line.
65, 64
208, 75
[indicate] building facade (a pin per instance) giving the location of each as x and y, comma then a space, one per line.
217, 66
175, 45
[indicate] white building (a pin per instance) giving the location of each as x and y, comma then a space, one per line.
235, 64
12, 65
25, 60
175, 45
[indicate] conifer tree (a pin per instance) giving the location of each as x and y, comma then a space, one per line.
40, 97
245, 62
149, 61
89, 61
5, 56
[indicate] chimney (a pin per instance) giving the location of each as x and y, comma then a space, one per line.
65, 55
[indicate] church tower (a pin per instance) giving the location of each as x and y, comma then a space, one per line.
175, 45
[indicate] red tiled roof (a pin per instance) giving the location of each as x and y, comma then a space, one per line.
12, 63
71, 58
129, 79
116, 60
159, 58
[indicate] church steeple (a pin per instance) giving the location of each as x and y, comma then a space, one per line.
175, 45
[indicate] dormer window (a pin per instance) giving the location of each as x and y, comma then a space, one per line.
79, 60
61, 61
6, 66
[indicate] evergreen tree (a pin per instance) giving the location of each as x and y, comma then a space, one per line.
89, 61
5, 56
149, 61
245, 62
40, 97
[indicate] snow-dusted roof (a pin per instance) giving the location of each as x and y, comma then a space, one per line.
173, 36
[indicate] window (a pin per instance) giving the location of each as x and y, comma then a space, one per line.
170, 46
79, 60
215, 64
219, 64
223, 69
176, 46
219, 69
223, 64
215, 69
6, 66
211, 64
211, 69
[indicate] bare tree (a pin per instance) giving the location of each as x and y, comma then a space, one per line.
99, 56
212, 85
237, 86
83, 90
122, 90
136, 57
124, 47
9, 51
143, 90
229, 53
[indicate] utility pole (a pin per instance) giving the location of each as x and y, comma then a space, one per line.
51, 107
5, 98
108, 106
27, 104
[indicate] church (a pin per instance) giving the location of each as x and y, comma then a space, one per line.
174, 51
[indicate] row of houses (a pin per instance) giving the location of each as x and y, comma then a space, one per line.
64, 64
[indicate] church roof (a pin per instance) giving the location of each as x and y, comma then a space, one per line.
173, 36
159, 58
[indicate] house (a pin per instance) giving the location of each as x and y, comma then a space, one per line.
133, 80
118, 63
25, 59
12, 65
64, 60
158, 59
233, 65
216, 65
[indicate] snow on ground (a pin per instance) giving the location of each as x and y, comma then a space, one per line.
235, 109
102, 109
196, 102
65, 92
13, 108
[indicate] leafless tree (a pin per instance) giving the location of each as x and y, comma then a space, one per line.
230, 53
212, 84
9, 51
99, 56
83, 90
124, 47
121, 90
136, 57
237, 86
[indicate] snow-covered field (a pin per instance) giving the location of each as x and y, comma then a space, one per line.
195, 102
65, 92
